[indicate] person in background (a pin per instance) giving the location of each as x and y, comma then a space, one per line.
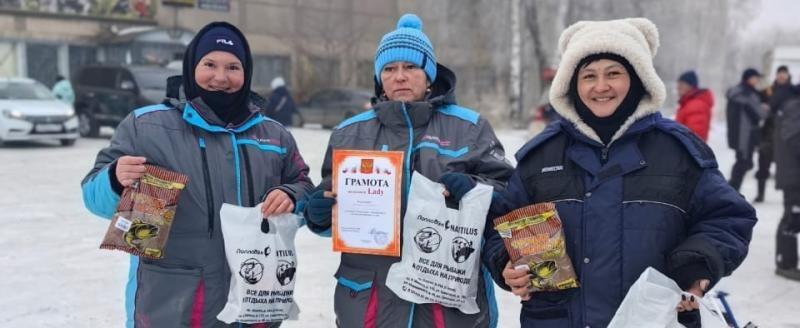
545, 110
280, 105
695, 105
214, 133
743, 113
776, 94
63, 90
633, 189
787, 179
415, 112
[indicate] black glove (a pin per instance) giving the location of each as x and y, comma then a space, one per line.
457, 184
318, 209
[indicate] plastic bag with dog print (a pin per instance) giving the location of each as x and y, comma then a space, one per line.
441, 247
262, 265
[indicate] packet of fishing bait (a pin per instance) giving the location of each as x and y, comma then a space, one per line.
143, 219
534, 239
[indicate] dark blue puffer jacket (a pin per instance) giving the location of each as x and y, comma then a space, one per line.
654, 197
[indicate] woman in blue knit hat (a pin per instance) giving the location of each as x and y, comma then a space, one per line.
213, 132
414, 112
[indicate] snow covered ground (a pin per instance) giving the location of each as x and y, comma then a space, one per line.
53, 275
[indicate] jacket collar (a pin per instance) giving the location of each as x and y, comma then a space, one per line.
393, 113
634, 128
397, 114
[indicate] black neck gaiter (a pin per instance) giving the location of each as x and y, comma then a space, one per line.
606, 127
231, 108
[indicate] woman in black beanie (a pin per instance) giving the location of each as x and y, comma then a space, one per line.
212, 131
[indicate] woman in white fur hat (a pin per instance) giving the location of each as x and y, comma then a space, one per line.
633, 189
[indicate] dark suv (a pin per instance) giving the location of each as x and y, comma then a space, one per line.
330, 107
104, 95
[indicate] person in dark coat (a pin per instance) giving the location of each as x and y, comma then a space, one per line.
280, 105
776, 95
743, 117
633, 189
787, 178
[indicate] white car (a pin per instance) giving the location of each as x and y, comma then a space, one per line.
29, 111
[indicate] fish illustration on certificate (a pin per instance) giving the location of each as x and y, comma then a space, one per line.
366, 216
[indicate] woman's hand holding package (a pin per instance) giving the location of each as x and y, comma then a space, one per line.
519, 280
456, 185
690, 303
129, 169
277, 202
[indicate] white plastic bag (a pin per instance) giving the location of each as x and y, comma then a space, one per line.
262, 265
441, 247
651, 302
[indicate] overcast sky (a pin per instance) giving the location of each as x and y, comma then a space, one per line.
776, 14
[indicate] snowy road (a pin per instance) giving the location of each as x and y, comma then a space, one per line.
53, 275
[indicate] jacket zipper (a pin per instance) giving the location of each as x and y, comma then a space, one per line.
410, 148
604, 154
209, 192
237, 172
408, 184
250, 188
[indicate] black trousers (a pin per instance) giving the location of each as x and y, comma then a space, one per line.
744, 162
786, 241
765, 149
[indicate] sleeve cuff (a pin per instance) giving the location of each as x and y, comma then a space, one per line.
116, 186
686, 275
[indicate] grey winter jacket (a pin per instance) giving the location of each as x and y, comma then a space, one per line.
743, 116
787, 145
437, 137
233, 164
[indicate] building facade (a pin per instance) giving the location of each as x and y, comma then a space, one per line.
312, 44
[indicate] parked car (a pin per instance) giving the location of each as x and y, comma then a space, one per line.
104, 95
29, 111
329, 107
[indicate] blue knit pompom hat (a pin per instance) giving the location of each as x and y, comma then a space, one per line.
407, 43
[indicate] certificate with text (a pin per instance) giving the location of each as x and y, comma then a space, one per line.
368, 186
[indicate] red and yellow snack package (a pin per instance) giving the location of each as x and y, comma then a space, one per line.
534, 239
143, 219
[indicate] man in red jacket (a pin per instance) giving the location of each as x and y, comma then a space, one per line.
695, 105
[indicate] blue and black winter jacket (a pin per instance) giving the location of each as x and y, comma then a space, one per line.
653, 198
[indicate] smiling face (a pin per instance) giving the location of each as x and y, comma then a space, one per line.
404, 81
219, 71
603, 85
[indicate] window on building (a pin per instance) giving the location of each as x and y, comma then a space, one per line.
8, 59
268, 67
117, 54
80, 56
42, 62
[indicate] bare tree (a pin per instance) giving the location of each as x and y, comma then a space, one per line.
536, 30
